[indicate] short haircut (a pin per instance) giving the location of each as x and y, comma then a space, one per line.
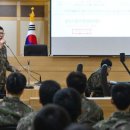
121, 95
1, 28
51, 117
107, 62
69, 99
77, 80
47, 90
16, 82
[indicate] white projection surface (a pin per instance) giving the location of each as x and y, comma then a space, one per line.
90, 27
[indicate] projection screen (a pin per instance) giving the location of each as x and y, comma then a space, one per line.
89, 27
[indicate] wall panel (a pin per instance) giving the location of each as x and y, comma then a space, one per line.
8, 10
10, 29
25, 10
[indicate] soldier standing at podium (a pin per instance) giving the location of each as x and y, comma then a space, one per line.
4, 64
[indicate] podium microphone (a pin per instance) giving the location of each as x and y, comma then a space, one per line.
28, 80
79, 68
39, 82
122, 59
22, 65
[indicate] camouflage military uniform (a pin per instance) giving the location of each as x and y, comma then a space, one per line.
91, 112
26, 123
11, 110
95, 84
116, 117
4, 65
121, 125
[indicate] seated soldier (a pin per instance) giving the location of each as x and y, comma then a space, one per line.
69, 99
121, 100
51, 117
91, 113
95, 86
11, 108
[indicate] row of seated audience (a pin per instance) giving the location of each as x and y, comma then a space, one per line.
63, 109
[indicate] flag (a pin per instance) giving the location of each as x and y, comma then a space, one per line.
31, 38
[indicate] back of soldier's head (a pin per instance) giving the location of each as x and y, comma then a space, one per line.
121, 95
107, 62
69, 99
47, 90
51, 117
16, 82
77, 80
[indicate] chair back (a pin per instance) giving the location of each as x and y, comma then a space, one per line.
105, 86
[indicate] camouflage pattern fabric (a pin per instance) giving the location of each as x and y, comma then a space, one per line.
4, 65
125, 127
91, 112
95, 84
115, 118
26, 123
11, 110
121, 125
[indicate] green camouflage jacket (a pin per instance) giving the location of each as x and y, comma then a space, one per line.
114, 118
121, 125
4, 65
91, 112
95, 84
26, 123
11, 110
